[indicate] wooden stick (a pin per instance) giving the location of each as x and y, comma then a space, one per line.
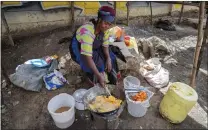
181, 13
199, 43
115, 11
72, 14
151, 12
10, 41
203, 45
127, 5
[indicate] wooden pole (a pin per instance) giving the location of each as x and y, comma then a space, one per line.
151, 12
72, 14
115, 11
170, 9
127, 4
199, 43
181, 13
10, 40
203, 45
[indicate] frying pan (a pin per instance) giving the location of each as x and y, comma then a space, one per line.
91, 94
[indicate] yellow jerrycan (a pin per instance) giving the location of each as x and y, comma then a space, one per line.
178, 101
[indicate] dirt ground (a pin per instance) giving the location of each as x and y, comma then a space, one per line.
28, 110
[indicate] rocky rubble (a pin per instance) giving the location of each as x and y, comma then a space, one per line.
153, 46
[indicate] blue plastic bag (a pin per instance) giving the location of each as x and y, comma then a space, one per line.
41, 62
37, 62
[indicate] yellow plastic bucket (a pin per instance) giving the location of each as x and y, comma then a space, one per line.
178, 101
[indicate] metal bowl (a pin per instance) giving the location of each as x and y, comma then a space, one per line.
92, 93
78, 96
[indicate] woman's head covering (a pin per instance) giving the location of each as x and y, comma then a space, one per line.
107, 14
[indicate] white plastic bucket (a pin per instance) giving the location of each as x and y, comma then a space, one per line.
131, 82
64, 119
137, 108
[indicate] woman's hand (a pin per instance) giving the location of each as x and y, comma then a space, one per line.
108, 64
101, 80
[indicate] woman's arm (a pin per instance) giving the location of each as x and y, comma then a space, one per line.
90, 63
107, 57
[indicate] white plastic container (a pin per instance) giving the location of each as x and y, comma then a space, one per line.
137, 108
78, 96
131, 82
64, 119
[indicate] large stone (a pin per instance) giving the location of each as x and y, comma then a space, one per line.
131, 64
159, 44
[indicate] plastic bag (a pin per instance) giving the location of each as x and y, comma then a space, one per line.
29, 77
42, 62
132, 93
154, 73
131, 43
131, 82
54, 80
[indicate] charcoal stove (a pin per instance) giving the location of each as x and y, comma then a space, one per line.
110, 121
